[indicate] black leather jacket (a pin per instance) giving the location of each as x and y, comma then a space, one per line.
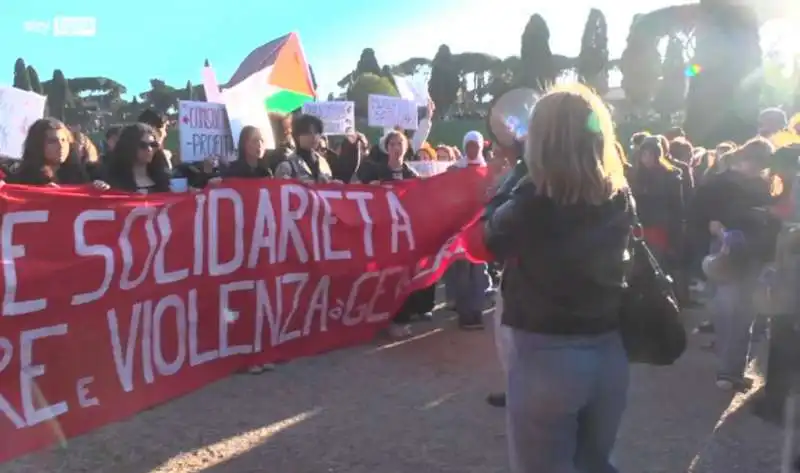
565, 265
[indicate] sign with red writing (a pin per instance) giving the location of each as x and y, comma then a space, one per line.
114, 303
203, 131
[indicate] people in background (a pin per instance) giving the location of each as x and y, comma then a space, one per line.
86, 150
468, 284
394, 168
563, 236
738, 200
111, 137
48, 158
250, 162
136, 165
345, 165
305, 163
284, 142
444, 153
771, 121
160, 123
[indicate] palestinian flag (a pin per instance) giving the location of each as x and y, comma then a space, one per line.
276, 73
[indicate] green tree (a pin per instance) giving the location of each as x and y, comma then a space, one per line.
21, 78
640, 65
723, 98
366, 85
161, 96
386, 72
368, 63
537, 69
59, 96
331, 98
36, 84
444, 81
593, 58
189, 91
411, 66
503, 76
671, 94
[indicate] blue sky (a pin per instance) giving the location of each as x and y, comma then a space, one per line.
170, 39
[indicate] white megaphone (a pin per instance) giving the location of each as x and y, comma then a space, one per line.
509, 116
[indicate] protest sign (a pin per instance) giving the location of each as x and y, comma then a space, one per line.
338, 118
160, 295
203, 131
413, 90
389, 112
18, 110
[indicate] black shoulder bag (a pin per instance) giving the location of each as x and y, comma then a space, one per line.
650, 322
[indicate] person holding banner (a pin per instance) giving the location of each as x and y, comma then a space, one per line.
395, 169
48, 158
136, 165
346, 164
250, 162
305, 163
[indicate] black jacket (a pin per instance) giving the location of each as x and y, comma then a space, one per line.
741, 203
660, 201
370, 171
565, 265
241, 169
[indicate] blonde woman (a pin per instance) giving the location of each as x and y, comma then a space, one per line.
563, 237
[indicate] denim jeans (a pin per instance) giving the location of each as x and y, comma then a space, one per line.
466, 284
502, 333
565, 400
734, 314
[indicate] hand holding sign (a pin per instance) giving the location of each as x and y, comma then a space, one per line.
389, 112
18, 110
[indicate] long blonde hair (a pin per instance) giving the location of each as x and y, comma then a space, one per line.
571, 149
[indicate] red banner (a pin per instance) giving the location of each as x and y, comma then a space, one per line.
114, 303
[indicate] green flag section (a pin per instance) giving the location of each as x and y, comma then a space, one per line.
285, 101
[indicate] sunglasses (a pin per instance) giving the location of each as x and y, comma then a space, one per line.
148, 145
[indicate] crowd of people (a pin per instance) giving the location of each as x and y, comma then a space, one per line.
558, 296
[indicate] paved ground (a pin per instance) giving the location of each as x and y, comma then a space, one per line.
412, 407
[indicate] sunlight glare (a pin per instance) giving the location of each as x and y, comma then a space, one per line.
209, 456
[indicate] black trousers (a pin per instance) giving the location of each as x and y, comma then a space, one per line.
783, 366
418, 302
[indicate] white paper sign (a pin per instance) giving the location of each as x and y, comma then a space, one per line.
389, 112
410, 90
203, 131
430, 168
18, 110
337, 117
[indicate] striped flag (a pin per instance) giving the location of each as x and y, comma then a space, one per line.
276, 74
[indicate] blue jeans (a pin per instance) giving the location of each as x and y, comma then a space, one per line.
565, 400
466, 284
734, 314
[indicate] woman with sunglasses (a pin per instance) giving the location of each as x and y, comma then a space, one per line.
48, 158
137, 163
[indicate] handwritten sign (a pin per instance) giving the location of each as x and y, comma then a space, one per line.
203, 131
18, 110
389, 112
337, 117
